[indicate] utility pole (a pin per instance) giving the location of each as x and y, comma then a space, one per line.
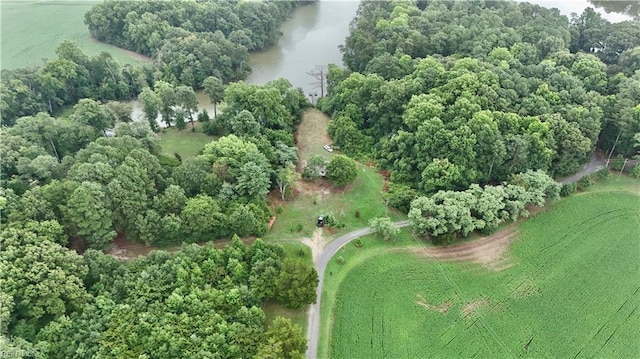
319, 74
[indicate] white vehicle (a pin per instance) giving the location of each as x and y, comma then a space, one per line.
328, 148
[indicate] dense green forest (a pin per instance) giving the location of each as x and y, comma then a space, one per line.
187, 41
448, 96
445, 94
66, 187
200, 303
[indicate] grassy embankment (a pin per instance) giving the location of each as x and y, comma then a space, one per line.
571, 290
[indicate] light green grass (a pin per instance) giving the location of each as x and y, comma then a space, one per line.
363, 196
185, 143
31, 31
572, 291
321, 198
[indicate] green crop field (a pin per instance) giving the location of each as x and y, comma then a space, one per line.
31, 31
572, 291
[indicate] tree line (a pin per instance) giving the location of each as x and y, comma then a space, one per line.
199, 303
188, 42
67, 187
449, 94
65, 170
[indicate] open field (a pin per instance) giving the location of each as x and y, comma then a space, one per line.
186, 143
321, 198
31, 31
570, 290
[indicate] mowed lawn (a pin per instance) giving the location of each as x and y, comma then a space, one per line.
321, 198
573, 291
185, 142
31, 31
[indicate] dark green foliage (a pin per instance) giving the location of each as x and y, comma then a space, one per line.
456, 98
296, 284
602, 175
64, 80
400, 196
617, 163
195, 40
190, 300
342, 170
567, 189
584, 183
635, 172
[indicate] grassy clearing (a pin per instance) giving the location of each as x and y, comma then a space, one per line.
31, 31
572, 291
320, 198
363, 196
312, 135
186, 143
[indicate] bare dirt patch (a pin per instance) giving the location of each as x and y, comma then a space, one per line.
316, 242
471, 307
442, 308
487, 251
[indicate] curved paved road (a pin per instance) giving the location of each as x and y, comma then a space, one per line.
313, 315
313, 329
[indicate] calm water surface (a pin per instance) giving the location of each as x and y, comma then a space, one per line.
311, 36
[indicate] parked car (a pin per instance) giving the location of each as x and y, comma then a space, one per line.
328, 148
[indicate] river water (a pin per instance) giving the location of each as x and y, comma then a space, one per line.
311, 36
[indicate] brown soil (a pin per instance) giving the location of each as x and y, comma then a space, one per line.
442, 308
124, 249
319, 187
488, 251
470, 308
316, 243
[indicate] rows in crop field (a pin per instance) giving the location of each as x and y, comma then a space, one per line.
572, 292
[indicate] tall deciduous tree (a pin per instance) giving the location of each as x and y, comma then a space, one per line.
90, 215
342, 170
214, 88
297, 283
285, 177
151, 104
43, 279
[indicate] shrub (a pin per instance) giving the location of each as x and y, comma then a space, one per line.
603, 174
330, 220
301, 253
203, 116
358, 243
357, 214
280, 210
299, 227
617, 163
383, 227
340, 260
635, 173
567, 189
584, 183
